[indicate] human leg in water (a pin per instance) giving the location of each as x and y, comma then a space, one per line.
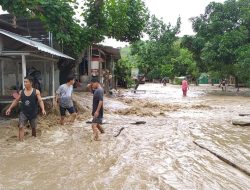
95, 132
21, 133
100, 128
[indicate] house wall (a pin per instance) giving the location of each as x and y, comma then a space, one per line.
13, 76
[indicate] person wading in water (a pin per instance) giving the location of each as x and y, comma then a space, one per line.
223, 84
30, 98
184, 86
97, 111
64, 95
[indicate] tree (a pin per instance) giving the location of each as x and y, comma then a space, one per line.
126, 19
162, 55
101, 19
123, 20
153, 52
222, 32
243, 63
183, 62
65, 28
195, 44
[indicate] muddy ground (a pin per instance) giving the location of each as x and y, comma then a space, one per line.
159, 154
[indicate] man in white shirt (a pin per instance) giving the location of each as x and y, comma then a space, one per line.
64, 95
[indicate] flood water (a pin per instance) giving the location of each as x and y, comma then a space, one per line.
157, 155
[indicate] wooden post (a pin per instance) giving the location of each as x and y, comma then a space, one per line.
2, 72
17, 76
1, 44
44, 75
2, 77
53, 79
23, 68
100, 68
89, 61
113, 72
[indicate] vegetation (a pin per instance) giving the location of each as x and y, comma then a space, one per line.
123, 20
221, 44
162, 55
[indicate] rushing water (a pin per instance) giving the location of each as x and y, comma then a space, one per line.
158, 155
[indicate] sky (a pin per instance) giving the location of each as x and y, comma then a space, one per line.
169, 11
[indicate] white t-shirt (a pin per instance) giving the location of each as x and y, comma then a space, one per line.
65, 94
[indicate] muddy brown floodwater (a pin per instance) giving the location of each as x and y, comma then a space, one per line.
157, 155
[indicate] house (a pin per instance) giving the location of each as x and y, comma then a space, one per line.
95, 60
19, 55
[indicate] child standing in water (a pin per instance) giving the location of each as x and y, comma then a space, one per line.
185, 87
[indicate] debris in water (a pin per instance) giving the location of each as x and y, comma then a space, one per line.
119, 132
223, 159
241, 114
241, 123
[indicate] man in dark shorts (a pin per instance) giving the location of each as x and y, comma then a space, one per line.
223, 84
30, 98
64, 95
97, 111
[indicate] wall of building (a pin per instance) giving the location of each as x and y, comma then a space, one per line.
13, 75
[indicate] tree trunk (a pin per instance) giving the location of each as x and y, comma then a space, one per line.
236, 82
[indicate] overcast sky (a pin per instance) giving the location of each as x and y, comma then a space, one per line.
169, 10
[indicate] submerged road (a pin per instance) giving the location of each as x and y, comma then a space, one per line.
159, 154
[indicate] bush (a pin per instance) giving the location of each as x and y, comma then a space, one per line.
177, 81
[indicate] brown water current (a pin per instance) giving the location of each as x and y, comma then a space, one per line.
157, 155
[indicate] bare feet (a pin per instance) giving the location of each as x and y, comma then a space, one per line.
99, 127
97, 139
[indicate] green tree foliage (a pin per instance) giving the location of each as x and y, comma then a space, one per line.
243, 63
183, 62
195, 44
222, 38
153, 52
126, 19
57, 16
162, 55
123, 20
125, 65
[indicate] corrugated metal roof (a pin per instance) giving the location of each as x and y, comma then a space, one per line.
40, 46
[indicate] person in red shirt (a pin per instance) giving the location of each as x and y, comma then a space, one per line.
185, 87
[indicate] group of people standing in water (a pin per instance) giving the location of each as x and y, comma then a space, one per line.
30, 98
